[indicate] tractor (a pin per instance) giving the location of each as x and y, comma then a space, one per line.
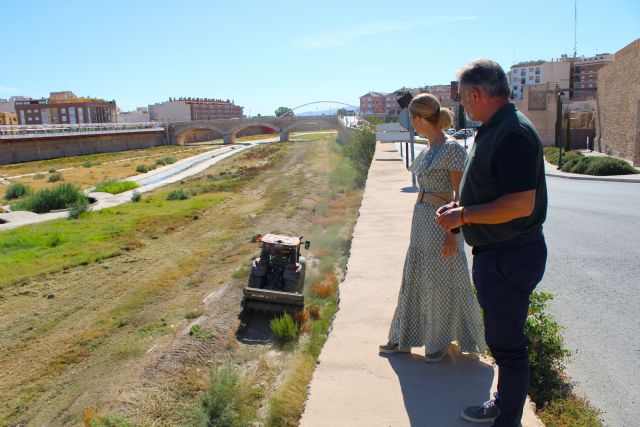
276, 281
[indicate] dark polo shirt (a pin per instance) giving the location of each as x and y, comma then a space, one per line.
505, 158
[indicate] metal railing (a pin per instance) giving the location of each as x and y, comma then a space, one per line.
31, 131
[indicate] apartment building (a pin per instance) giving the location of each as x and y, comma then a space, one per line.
65, 108
8, 118
374, 103
584, 75
539, 72
387, 103
140, 115
191, 109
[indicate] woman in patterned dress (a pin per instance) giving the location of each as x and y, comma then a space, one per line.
436, 304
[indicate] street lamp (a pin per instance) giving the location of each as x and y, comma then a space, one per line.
559, 126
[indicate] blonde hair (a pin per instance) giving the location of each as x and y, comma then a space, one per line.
427, 106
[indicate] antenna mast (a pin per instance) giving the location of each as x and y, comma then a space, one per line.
575, 26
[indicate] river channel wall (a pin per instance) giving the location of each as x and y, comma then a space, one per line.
32, 149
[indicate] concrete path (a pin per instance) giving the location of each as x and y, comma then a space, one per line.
353, 384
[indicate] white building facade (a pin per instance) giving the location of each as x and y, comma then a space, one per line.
539, 72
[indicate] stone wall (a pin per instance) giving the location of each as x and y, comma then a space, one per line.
27, 150
538, 103
619, 102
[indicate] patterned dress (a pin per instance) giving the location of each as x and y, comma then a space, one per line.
436, 304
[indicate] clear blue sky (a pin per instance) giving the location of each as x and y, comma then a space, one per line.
265, 54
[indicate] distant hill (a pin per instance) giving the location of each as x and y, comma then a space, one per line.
330, 112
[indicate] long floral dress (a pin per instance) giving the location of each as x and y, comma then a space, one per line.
436, 304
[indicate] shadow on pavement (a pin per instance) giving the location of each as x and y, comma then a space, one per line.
434, 394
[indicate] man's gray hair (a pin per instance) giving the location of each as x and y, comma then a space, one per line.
487, 75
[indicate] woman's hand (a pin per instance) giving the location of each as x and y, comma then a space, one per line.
450, 246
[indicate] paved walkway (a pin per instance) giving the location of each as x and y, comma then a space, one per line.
353, 384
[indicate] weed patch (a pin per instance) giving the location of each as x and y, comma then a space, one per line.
115, 186
284, 328
229, 400
201, 333
16, 190
60, 197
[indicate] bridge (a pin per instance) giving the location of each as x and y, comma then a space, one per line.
23, 143
227, 129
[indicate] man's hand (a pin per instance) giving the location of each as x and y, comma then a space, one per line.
446, 207
450, 246
449, 218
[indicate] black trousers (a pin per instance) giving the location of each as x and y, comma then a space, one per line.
504, 276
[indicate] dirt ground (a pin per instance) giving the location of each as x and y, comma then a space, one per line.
113, 337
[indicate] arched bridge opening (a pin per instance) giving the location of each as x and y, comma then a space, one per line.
254, 130
199, 135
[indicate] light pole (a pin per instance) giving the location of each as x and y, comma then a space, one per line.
559, 126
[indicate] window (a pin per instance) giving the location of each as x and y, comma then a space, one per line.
531, 69
522, 72
537, 79
530, 77
515, 88
537, 70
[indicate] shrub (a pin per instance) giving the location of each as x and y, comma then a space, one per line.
78, 208
142, 169
165, 161
38, 176
229, 401
115, 186
178, 194
54, 177
136, 196
60, 197
603, 166
87, 164
52, 170
16, 190
284, 328
201, 333
359, 150
570, 412
547, 354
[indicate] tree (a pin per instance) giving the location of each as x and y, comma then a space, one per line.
284, 111
342, 112
558, 119
567, 142
462, 123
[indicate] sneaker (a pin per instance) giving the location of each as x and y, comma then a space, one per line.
486, 413
391, 347
435, 357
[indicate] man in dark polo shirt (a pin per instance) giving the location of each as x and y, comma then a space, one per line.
503, 203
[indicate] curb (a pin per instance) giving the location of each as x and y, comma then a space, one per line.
550, 171
592, 178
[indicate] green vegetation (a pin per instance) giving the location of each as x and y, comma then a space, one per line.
284, 328
283, 111
27, 251
178, 194
359, 150
108, 421
165, 161
550, 388
201, 333
115, 186
136, 196
229, 400
575, 162
16, 190
142, 169
61, 197
78, 208
54, 177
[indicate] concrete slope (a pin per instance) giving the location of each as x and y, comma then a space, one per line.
353, 384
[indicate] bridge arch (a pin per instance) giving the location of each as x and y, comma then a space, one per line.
182, 135
313, 123
253, 124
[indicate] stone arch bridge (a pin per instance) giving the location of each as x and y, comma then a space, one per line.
228, 128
